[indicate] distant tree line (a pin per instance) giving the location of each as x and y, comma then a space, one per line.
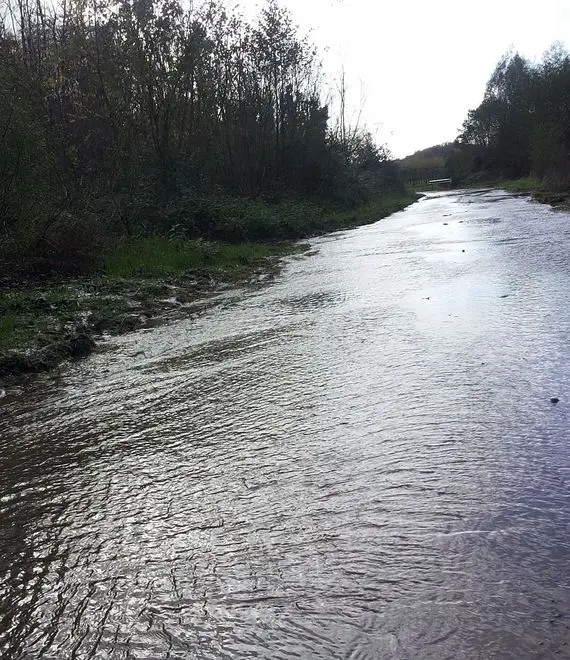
427, 164
522, 126
127, 116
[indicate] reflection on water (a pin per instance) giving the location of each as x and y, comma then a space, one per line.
360, 460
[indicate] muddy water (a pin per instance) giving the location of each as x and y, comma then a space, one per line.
359, 460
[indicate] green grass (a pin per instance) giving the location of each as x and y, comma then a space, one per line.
8, 328
376, 209
243, 222
525, 185
30, 317
238, 220
43, 325
159, 257
541, 191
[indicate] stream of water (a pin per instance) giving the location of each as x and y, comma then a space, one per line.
358, 460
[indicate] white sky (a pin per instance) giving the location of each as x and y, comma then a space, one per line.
423, 63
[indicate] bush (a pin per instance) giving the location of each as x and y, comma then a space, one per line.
65, 245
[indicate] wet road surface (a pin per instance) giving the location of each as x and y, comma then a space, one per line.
358, 460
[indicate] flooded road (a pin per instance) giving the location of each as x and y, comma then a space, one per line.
359, 460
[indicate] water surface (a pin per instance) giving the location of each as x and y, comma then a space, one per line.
359, 460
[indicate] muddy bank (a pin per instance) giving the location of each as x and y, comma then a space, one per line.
42, 325
556, 196
558, 200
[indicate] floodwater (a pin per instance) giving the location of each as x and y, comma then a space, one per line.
358, 460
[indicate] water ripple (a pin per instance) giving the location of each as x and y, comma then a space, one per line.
358, 461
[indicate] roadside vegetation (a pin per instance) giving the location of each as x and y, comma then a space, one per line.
160, 144
164, 118
519, 136
544, 191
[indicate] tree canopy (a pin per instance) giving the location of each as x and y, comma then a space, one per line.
128, 114
522, 126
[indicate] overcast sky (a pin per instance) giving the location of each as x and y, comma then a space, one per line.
423, 63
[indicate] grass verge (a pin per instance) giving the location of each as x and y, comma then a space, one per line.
540, 191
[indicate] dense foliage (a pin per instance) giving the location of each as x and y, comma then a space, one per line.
522, 126
148, 116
